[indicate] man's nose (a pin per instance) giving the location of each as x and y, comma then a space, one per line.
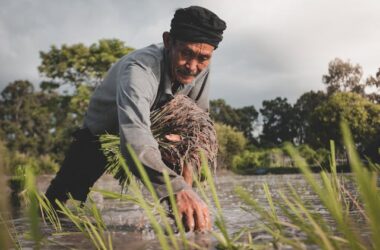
192, 65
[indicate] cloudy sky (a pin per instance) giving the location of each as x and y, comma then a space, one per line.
270, 48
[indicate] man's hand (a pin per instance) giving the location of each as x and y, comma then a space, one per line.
193, 211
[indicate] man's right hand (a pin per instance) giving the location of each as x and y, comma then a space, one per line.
193, 211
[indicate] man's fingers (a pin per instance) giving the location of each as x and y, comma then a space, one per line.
189, 220
207, 219
200, 223
173, 137
194, 212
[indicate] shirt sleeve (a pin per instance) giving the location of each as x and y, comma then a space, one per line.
135, 94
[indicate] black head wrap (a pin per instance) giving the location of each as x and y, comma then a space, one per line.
197, 24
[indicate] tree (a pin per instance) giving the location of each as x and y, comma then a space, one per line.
82, 67
343, 77
242, 119
221, 112
77, 64
24, 119
278, 122
303, 108
362, 116
374, 83
247, 118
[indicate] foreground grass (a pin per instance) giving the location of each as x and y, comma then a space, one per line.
288, 219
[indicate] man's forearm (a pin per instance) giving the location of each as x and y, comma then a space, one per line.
150, 158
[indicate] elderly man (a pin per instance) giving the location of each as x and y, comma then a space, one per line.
138, 83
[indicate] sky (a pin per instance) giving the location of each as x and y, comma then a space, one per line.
270, 48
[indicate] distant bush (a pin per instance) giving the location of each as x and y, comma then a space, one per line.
273, 157
40, 165
314, 157
231, 142
247, 159
4, 157
277, 157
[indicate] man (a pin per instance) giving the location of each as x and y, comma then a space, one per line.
134, 86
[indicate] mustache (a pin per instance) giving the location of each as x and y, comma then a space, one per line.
186, 72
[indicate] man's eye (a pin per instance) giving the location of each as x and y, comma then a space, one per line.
186, 53
203, 59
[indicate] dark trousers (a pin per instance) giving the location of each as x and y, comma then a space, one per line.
83, 165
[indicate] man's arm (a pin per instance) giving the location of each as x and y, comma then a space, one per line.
135, 94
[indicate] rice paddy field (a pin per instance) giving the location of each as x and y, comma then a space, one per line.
130, 228
302, 211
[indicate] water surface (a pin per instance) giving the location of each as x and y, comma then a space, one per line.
131, 230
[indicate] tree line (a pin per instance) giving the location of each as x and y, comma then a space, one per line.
313, 120
38, 122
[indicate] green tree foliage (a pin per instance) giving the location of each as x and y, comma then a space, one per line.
303, 108
362, 116
37, 123
39, 164
374, 83
231, 142
79, 104
343, 77
4, 157
242, 119
77, 64
25, 118
278, 122
314, 157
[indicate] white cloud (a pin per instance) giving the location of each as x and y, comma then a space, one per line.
271, 48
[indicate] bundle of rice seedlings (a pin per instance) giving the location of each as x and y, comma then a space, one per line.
183, 120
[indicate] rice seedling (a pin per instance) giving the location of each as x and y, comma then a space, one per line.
193, 130
32, 211
290, 214
6, 238
367, 184
286, 217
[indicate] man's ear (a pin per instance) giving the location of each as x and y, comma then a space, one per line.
166, 38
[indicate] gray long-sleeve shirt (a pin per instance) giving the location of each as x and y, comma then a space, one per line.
136, 84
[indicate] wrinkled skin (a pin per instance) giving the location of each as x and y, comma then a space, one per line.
193, 210
187, 59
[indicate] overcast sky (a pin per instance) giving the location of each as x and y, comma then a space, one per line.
270, 48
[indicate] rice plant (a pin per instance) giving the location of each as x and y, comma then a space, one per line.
7, 238
181, 118
311, 227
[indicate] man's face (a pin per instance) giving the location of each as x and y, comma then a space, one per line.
188, 60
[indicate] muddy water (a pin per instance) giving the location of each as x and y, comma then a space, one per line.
129, 226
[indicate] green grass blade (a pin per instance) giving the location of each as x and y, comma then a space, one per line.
367, 184
328, 200
32, 212
134, 188
148, 184
219, 221
6, 238
173, 203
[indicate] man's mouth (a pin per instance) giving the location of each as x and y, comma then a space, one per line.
187, 73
